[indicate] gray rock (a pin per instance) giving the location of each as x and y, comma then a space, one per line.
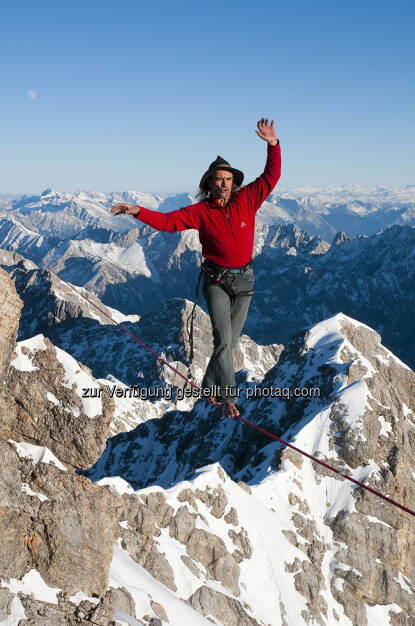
210, 551
227, 610
231, 517
219, 502
159, 610
102, 614
202, 495
121, 599
187, 495
68, 537
204, 547
191, 565
226, 570
6, 598
181, 525
10, 307
309, 582
40, 613
242, 542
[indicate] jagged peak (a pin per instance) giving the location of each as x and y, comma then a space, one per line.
339, 238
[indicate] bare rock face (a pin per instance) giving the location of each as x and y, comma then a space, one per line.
6, 598
388, 434
49, 409
242, 542
65, 530
122, 599
219, 502
210, 551
182, 525
227, 610
10, 307
41, 392
231, 517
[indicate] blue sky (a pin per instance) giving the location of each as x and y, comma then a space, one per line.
104, 96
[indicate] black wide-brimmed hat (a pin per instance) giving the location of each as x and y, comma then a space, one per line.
221, 164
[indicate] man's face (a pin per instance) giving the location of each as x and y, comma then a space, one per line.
221, 185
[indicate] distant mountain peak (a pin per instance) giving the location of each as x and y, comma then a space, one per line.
50, 191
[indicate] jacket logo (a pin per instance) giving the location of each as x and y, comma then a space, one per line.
243, 224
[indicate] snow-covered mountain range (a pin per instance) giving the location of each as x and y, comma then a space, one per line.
136, 270
353, 209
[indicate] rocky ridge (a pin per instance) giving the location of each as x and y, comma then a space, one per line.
296, 545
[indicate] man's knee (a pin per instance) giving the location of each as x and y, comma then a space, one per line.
222, 341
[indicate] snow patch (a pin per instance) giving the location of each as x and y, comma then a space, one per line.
33, 584
78, 380
379, 614
403, 583
120, 485
23, 362
124, 572
26, 488
52, 398
385, 427
79, 596
37, 454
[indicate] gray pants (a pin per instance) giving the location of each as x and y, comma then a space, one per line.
227, 317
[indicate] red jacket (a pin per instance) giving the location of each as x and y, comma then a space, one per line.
226, 233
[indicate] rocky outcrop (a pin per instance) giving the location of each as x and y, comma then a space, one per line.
10, 307
210, 602
211, 552
47, 387
55, 523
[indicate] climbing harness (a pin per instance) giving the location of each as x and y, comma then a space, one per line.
224, 276
239, 417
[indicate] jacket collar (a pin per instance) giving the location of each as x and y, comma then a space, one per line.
214, 204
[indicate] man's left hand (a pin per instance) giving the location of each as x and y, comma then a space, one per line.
267, 131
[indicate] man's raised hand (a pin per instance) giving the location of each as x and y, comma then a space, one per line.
266, 131
123, 207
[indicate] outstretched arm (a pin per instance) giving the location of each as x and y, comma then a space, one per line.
267, 131
182, 219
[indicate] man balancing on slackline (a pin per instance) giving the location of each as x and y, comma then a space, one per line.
225, 219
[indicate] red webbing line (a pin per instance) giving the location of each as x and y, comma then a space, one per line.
242, 419
330, 467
